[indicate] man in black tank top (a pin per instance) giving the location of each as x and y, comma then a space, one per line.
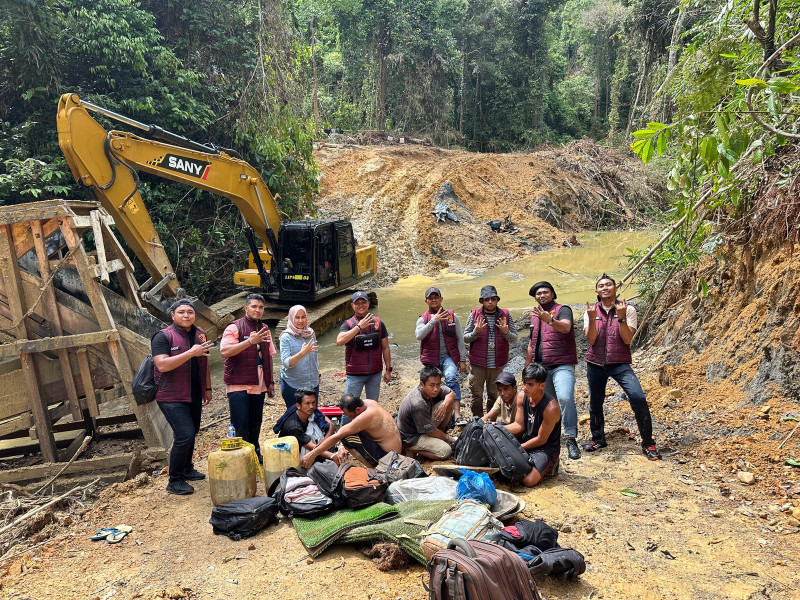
537, 425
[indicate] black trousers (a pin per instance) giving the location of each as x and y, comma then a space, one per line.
247, 412
184, 419
623, 374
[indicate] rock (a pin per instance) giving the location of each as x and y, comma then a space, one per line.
716, 513
792, 522
583, 419
746, 477
796, 512
765, 409
675, 393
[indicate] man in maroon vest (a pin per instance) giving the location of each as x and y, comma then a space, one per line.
553, 346
489, 332
180, 355
366, 343
442, 344
609, 325
248, 376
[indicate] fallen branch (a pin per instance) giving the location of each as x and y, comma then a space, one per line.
39, 509
786, 439
85, 443
214, 422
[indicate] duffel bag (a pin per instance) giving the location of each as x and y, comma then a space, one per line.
469, 449
325, 475
505, 453
396, 467
360, 486
564, 562
242, 518
477, 570
298, 496
469, 520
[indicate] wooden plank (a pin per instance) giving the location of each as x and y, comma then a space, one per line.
88, 387
13, 286
68, 452
89, 465
52, 309
20, 423
114, 246
49, 344
25, 445
94, 217
23, 242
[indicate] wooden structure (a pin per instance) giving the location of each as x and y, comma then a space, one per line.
64, 354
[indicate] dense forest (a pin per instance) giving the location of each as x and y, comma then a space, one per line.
686, 79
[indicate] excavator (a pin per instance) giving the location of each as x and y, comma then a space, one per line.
303, 261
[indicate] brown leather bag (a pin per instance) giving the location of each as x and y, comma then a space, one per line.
474, 570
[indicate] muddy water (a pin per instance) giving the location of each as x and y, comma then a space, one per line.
572, 271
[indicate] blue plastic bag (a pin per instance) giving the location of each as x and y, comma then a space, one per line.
476, 486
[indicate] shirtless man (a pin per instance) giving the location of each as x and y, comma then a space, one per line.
369, 436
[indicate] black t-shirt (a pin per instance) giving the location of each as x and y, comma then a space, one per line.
295, 426
384, 333
160, 345
565, 312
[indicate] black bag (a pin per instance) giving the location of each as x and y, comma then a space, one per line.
505, 453
564, 562
306, 510
396, 467
359, 486
368, 341
144, 383
531, 533
324, 473
469, 449
244, 518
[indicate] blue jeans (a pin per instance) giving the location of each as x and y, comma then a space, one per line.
450, 370
561, 385
184, 419
623, 374
247, 412
369, 384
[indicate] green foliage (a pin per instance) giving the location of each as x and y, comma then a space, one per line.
34, 179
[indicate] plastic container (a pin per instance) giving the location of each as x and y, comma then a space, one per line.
232, 472
279, 454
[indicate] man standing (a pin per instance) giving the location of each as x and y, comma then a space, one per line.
504, 410
553, 345
366, 352
489, 332
247, 349
442, 344
369, 436
609, 325
182, 375
424, 414
538, 425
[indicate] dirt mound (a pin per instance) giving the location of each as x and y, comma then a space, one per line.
388, 192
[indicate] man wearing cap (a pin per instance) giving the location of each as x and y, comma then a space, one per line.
609, 325
442, 344
367, 353
180, 355
490, 332
553, 345
504, 410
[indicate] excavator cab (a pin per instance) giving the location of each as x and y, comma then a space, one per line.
316, 258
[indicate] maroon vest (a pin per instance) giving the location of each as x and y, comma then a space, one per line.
608, 348
479, 349
176, 385
242, 369
429, 345
557, 348
363, 362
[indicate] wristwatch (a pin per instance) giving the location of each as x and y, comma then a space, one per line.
622, 320
389, 369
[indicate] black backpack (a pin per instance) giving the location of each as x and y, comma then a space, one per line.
359, 486
505, 453
469, 449
243, 518
144, 383
396, 467
324, 473
306, 510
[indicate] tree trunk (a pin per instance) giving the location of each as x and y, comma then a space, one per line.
461, 92
383, 68
316, 82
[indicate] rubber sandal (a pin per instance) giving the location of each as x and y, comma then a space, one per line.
119, 533
461, 422
102, 534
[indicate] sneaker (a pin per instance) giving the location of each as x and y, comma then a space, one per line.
594, 446
651, 452
179, 487
572, 449
193, 474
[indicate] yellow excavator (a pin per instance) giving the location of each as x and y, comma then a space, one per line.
302, 261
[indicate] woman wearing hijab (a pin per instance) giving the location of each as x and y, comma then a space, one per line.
299, 358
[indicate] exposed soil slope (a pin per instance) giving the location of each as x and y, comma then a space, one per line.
388, 192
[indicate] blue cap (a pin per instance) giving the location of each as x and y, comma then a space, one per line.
359, 296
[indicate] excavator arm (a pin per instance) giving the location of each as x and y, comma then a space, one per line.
107, 161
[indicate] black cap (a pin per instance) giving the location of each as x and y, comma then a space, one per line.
183, 302
506, 378
432, 290
359, 296
489, 291
541, 284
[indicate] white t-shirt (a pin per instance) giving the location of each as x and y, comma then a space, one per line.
630, 318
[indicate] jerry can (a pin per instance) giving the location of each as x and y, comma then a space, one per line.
232, 471
279, 454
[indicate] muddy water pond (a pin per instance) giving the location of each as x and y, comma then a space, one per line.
572, 271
